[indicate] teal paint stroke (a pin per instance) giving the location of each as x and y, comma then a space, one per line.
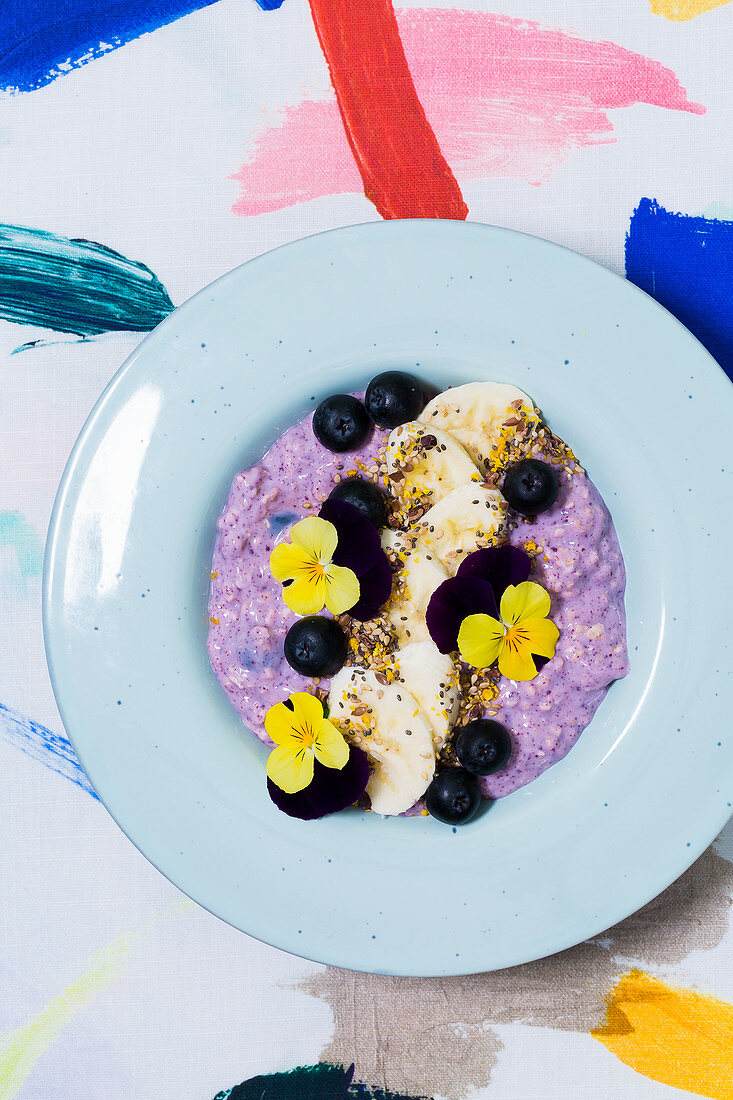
75, 286
320, 1082
51, 749
18, 533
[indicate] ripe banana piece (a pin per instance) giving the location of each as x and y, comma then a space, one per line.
470, 517
419, 574
385, 721
431, 677
425, 463
480, 415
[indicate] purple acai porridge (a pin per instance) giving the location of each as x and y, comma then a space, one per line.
463, 592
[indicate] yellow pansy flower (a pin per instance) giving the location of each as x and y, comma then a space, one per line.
307, 561
302, 735
524, 629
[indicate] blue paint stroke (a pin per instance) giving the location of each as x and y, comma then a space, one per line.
51, 749
44, 39
686, 263
75, 286
320, 1082
17, 532
270, 5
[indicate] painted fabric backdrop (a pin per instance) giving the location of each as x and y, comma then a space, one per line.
147, 146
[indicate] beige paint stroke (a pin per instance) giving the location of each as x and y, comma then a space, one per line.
434, 1035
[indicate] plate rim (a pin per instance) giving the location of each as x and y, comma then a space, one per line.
613, 914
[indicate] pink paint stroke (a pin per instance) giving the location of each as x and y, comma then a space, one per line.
505, 97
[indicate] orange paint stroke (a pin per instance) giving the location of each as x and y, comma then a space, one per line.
681, 10
675, 1036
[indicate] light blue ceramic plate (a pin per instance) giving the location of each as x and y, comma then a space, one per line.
650, 782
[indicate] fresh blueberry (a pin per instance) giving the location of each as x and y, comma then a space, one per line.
453, 796
393, 398
530, 486
367, 497
315, 646
340, 423
483, 746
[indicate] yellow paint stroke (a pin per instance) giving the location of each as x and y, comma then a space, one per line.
680, 10
675, 1036
21, 1049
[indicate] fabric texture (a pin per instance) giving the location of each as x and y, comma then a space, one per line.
148, 146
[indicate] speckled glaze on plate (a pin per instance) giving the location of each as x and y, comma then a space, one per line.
647, 786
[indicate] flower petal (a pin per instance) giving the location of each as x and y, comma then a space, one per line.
279, 723
375, 588
329, 791
290, 770
330, 746
515, 661
359, 545
499, 565
524, 601
288, 562
341, 589
542, 635
317, 537
480, 640
307, 712
306, 595
449, 605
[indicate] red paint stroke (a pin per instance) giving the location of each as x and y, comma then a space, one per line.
506, 98
404, 172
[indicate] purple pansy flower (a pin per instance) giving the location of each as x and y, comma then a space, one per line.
359, 548
328, 792
477, 588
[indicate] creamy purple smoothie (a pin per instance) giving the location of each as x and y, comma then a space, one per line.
248, 619
578, 561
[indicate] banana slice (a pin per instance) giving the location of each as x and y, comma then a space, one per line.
419, 574
425, 463
385, 721
480, 415
470, 517
430, 676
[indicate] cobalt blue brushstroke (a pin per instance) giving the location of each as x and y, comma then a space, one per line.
686, 263
51, 749
44, 39
270, 5
75, 285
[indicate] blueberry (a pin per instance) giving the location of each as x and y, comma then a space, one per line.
315, 646
364, 495
340, 423
483, 746
393, 398
530, 486
453, 796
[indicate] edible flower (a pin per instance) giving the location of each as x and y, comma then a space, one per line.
477, 587
312, 771
315, 580
359, 548
302, 734
521, 631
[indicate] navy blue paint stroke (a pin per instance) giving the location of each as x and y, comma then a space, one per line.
41, 40
51, 749
320, 1082
75, 286
686, 263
